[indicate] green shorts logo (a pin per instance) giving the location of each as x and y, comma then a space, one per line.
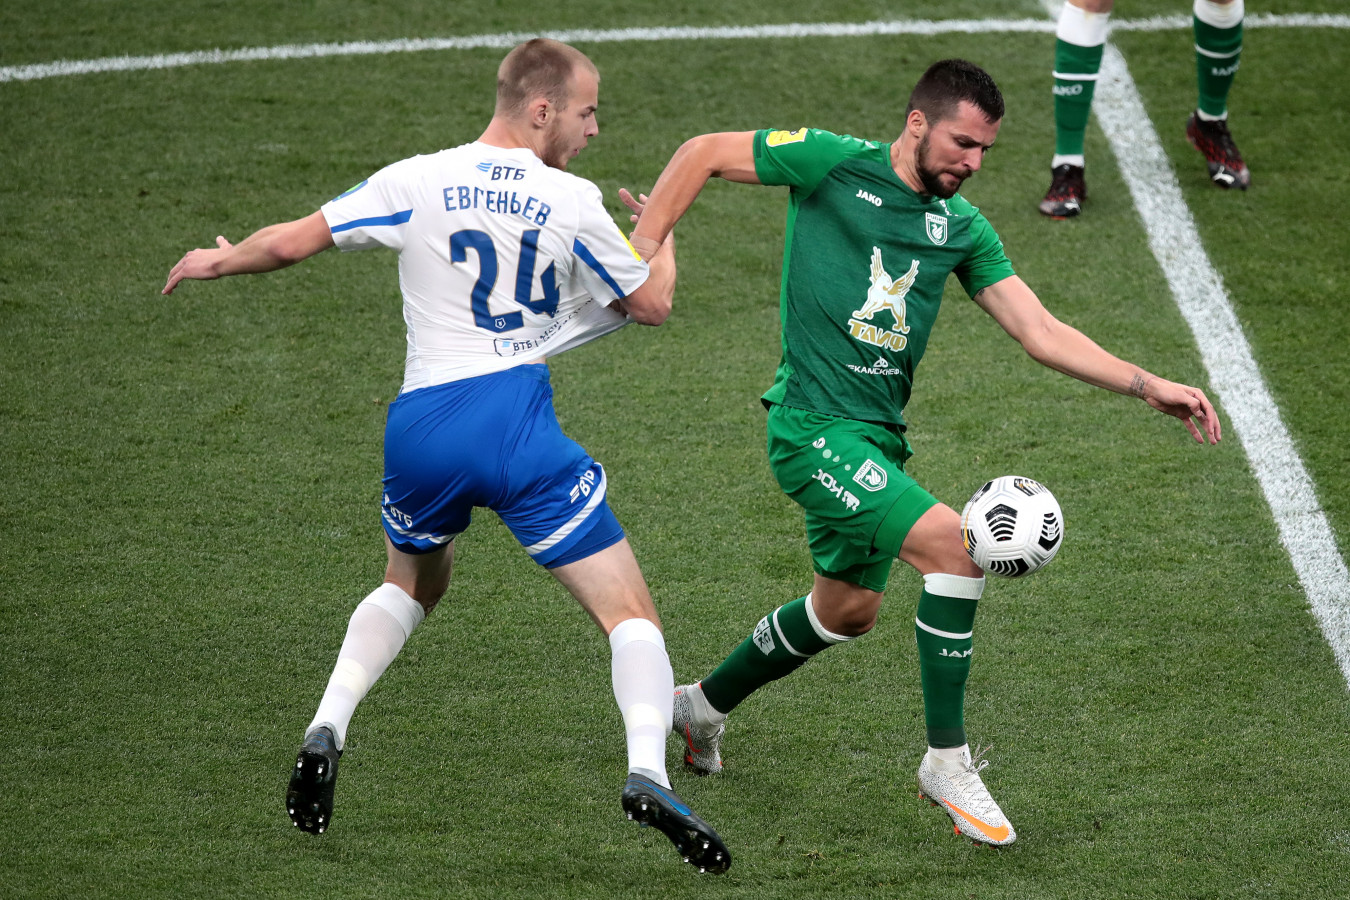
871, 476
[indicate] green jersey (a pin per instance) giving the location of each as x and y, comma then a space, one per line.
864, 267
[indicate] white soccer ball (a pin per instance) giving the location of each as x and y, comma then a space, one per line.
1012, 526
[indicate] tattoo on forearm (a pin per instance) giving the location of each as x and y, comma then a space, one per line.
1137, 385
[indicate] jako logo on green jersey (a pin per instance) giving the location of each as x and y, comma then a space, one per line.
885, 294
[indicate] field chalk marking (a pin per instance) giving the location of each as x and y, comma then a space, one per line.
60, 68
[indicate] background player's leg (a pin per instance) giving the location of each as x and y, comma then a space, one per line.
1218, 50
1080, 38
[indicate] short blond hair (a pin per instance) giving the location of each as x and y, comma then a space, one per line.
538, 68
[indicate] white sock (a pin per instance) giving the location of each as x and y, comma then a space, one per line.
375, 635
703, 710
1072, 159
1220, 15
644, 687
949, 757
1080, 27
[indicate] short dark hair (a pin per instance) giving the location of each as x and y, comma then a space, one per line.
948, 83
538, 68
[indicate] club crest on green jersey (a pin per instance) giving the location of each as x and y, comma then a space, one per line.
885, 295
936, 226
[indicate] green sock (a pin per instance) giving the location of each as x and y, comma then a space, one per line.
781, 642
1217, 55
1075, 80
942, 630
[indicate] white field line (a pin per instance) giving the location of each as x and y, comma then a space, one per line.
1233, 374
1196, 286
38, 71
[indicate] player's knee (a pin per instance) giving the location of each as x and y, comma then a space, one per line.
428, 603
848, 616
961, 564
945, 556
427, 588
856, 623
935, 545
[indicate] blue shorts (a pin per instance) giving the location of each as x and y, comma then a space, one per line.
492, 441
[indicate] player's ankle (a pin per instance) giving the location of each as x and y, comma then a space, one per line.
704, 713
949, 757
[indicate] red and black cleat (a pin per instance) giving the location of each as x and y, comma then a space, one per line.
1226, 168
1067, 192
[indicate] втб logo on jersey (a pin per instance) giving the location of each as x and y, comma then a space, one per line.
886, 295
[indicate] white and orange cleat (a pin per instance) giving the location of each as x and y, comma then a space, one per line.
957, 788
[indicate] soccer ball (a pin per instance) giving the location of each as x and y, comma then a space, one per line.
1012, 526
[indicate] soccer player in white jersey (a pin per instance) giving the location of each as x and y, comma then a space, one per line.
505, 259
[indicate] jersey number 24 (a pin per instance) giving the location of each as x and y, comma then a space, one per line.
481, 243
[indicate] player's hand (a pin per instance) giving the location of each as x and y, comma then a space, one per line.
199, 265
636, 204
646, 248
1186, 403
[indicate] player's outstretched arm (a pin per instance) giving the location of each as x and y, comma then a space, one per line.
266, 250
1066, 349
729, 155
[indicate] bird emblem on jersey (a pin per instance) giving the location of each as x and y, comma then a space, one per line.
887, 294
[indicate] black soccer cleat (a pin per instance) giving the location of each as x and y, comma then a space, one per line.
1067, 192
1226, 168
309, 798
647, 803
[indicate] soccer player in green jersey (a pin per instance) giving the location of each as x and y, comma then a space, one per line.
1080, 37
873, 231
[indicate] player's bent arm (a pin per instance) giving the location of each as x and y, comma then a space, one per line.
651, 302
266, 250
1066, 349
729, 155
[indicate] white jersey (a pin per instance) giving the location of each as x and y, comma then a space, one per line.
502, 258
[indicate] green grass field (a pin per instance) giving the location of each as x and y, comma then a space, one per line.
189, 488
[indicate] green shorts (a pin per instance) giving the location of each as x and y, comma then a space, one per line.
849, 477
